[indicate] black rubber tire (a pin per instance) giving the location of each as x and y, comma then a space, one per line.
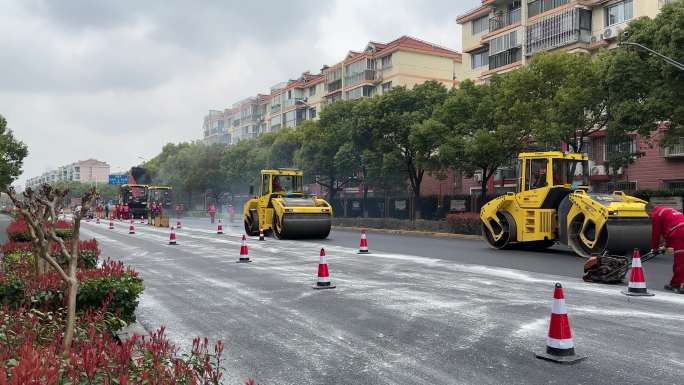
277, 232
507, 240
249, 228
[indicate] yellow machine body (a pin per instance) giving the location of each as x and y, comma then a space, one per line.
284, 209
552, 205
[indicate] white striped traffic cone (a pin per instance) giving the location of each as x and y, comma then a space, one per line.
261, 235
560, 347
244, 253
363, 244
219, 227
97, 220
637, 281
172, 236
111, 224
323, 274
178, 224
131, 228
142, 220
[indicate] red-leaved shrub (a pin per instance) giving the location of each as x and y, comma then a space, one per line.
464, 223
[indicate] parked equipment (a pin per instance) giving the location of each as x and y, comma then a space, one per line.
283, 208
552, 205
135, 196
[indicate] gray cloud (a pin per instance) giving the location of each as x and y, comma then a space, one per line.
117, 79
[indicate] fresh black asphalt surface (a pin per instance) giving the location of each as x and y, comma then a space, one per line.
418, 310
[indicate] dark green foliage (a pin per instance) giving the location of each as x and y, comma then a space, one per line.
124, 291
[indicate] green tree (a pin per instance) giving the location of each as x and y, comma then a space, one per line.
323, 154
12, 154
480, 134
561, 97
403, 129
644, 89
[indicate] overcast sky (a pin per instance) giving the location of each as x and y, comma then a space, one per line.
116, 80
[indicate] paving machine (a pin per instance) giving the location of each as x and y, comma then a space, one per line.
283, 209
135, 196
552, 204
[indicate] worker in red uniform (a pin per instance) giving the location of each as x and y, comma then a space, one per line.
668, 223
212, 212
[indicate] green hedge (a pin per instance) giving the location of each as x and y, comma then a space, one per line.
12, 259
125, 291
92, 294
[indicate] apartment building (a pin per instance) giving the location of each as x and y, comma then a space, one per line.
84, 171
295, 101
215, 127
406, 61
502, 35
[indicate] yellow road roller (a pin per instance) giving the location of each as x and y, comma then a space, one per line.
553, 204
283, 209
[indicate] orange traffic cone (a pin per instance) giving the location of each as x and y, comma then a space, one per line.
172, 236
363, 244
111, 224
637, 282
142, 220
97, 220
261, 235
323, 275
131, 228
560, 347
244, 253
219, 227
178, 224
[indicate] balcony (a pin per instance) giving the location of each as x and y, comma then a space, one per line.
504, 19
366, 76
561, 29
334, 85
674, 151
505, 58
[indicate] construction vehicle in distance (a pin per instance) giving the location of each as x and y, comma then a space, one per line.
160, 196
552, 204
135, 196
284, 209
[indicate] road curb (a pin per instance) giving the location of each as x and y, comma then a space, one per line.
412, 232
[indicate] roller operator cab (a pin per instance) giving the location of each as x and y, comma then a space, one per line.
284, 209
552, 204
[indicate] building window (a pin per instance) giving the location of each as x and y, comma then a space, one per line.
480, 24
356, 93
535, 7
620, 12
312, 113
386, 86
479, 59
386, 61
312, 90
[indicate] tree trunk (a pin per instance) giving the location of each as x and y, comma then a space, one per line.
71, 311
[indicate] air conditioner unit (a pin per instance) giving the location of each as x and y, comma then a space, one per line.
619, 171
611, 33
598, 170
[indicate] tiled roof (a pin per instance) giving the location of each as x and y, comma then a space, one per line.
413, 43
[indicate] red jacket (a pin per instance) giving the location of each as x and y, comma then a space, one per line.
665, 221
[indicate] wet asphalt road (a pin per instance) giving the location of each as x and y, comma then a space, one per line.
418, 310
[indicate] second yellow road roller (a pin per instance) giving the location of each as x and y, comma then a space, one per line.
283, 209
552, 204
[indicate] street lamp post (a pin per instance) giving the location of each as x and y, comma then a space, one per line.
667, 59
